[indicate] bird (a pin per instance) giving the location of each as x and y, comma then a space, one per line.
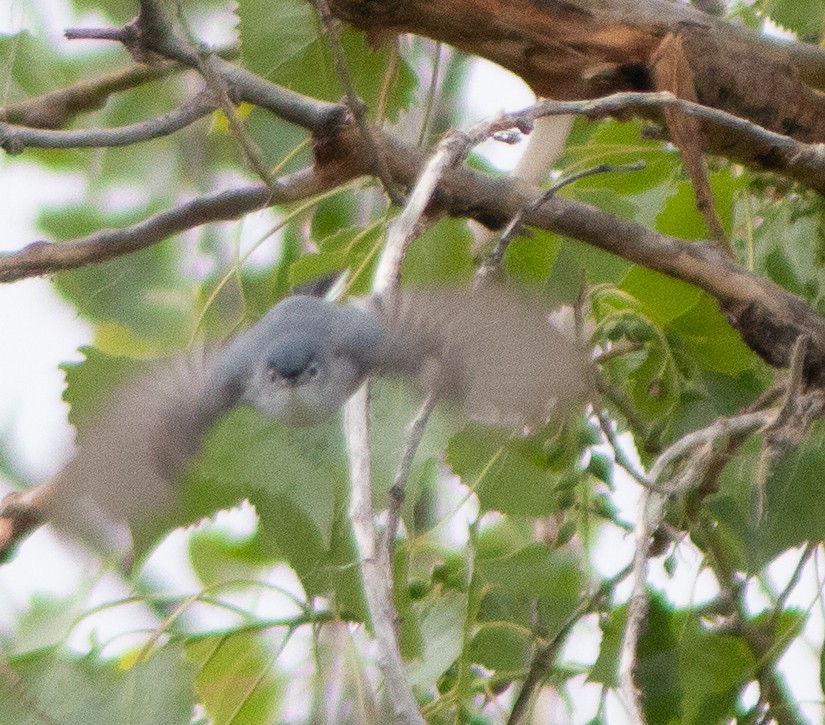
492, 352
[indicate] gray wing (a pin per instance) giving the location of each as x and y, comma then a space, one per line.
493, 351
148, 431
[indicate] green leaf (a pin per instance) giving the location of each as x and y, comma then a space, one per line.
806, 19
90, 383
355, 250
280, 40
45, 623
507, 474
530, 259
657, 665
601, 467
612, 142
502, 647
575, 259
528, 581
393, 403
235, 681
713, 668
605, 668
144, 291
663, 298
295, 478
686, 673
793, 496
680, 217
441, 254
272, 33
75, 690
442, 631
217, 557
711, 341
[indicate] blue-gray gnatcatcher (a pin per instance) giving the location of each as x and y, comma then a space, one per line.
493, 353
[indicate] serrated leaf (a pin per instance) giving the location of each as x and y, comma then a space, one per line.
806, 19
507, 474
792, 496
90, 383
295, 478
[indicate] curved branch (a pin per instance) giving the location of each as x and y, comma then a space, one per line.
56, 108
46, 257
14, 139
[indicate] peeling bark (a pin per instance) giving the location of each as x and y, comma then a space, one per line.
580, 49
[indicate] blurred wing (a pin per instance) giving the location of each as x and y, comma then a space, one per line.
126, 463
494, 352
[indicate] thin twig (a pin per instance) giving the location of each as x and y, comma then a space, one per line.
544, 655
47, 257
493, 259
782, 599
219, 87
796, 382
355, 104
151, 35
56, 108
415, 431
618, 452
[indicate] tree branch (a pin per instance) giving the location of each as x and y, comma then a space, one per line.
356, 105
415, 431
56, 108
150, 37
14, 139
373, 575
47, 257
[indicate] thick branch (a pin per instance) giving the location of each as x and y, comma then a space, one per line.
580, 49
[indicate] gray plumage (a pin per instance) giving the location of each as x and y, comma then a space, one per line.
491, 352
